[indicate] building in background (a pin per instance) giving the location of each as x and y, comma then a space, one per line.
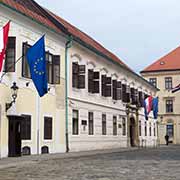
33, 125
165, 74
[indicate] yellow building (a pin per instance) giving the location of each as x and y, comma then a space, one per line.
40, 121
165, 74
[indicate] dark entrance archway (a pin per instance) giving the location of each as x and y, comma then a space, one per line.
132, 131
14, 144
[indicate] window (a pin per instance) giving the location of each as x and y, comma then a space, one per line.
128, 94
168, 83
106, 86
10, 58
78, 75
26, 127
124, 95
114, 87
153, 81
91, 123
75, 122
25, 66
93, 81
141, 99
169, 106
114, 125
139, 128
47, 128
154, 129
145, 129
103, 124
149, 129
169, 130
53, 68
123, 126
119, 90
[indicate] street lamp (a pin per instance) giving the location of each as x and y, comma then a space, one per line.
14, 89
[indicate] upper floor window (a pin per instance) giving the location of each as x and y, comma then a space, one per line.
141, 99
93, 81
168, 83
25, 66
153, 81
78, 75
106, 86
53, 68
10, 58
169, 106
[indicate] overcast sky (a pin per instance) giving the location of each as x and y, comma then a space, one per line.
137, 31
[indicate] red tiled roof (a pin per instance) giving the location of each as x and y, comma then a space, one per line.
169, 62
36, 14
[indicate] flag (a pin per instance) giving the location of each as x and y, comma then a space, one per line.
175, 89
3, 42
155, 107
37, 64
147, 106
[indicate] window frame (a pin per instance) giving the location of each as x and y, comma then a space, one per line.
168, 83
75, 130
26, 122
48, 128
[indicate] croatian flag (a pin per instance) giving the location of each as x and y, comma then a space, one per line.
175, 89
3, 42
148, 106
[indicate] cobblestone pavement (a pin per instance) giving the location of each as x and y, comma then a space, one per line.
139, 164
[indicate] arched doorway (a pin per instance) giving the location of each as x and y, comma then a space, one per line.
132, 131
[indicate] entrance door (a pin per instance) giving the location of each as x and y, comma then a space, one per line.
14, 136
132, 131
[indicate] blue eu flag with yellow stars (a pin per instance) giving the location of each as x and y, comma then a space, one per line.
37, 64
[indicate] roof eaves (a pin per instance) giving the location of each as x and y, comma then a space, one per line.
34, 20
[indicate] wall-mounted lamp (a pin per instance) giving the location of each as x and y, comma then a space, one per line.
14, 89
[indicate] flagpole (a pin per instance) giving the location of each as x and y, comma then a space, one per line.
38, 121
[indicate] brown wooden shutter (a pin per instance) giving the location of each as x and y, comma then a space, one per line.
81, 76
124, 95
119, 90
56, 69
103, 85
10, 57
114, 85
96, 82
90, 81
108, 86
133, 96
75, 72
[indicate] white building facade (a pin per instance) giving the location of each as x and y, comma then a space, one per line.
33, 125
100, 114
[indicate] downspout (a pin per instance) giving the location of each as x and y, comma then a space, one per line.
68, 45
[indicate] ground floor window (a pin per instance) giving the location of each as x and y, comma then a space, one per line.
139, 128
170, 130
145, 129
103, 124
123, 126
26, 127
48, 128
75, 122
149, 129
91, 123
114, 125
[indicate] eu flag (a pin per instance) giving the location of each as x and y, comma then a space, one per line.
37, 64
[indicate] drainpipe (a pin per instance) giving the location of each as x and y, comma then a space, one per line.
68, 45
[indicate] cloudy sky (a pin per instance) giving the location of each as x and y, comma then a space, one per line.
138, 31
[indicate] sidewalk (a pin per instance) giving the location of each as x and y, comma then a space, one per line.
13, 162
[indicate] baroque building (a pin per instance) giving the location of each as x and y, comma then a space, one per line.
165, 74
95, 100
